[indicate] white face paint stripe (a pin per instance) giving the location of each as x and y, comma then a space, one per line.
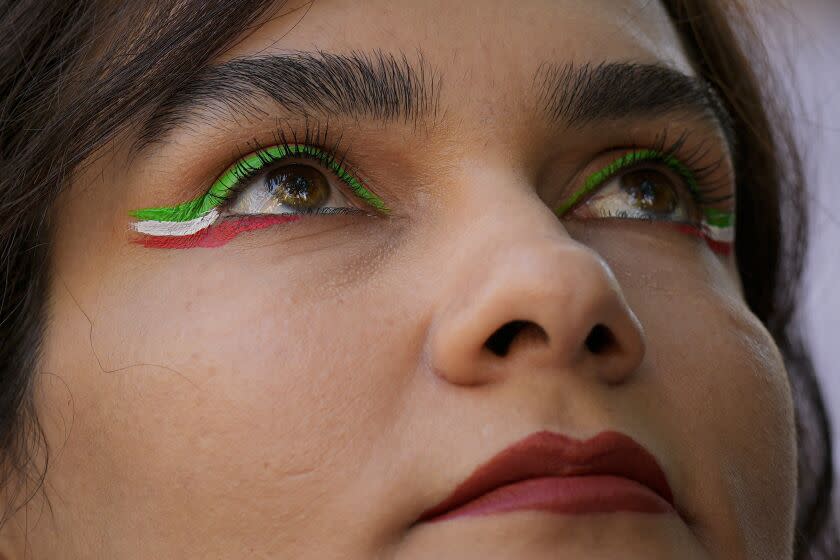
175, 229
722, 234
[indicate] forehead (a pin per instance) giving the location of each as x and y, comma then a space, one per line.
477, 40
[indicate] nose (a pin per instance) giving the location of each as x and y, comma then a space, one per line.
527, 298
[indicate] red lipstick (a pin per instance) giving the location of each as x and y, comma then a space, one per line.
551, 472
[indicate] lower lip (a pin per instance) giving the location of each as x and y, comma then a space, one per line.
576, 495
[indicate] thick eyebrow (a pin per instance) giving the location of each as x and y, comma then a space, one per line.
575, 95
388, 88
374, 86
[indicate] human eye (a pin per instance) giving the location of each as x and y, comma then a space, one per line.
654, 185
279, 184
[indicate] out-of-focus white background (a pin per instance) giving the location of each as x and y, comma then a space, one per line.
804, 41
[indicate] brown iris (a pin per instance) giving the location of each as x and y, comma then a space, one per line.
298, 186
650, 190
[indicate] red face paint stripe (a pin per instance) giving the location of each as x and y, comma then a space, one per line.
215, 236
720, 247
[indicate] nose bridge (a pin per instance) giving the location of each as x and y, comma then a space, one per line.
520, 295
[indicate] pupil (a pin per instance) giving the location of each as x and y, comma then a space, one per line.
650, 190
298, 186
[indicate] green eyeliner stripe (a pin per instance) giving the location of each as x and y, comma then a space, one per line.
627, 160
719, 218
220, 190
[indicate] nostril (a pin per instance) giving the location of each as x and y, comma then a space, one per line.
501, 341
600, 340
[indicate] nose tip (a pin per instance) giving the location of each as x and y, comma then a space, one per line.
545, 307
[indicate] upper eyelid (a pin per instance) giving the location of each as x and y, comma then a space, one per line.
225, 186
326, 157
222, 187
626, 161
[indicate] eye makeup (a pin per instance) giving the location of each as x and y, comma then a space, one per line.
716, 226
216, 235
215, 217
204, 222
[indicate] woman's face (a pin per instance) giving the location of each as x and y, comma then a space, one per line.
534, 237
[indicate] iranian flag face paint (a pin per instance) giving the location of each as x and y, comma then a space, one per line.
178, 229
719, 230
187, 235
198, 222
203, 221
604, 196
156, 228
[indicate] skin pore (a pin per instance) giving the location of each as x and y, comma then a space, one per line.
307, 389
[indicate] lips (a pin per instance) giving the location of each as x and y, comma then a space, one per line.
549, 471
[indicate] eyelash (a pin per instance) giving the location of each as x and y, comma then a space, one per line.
332, 158
203, 222
701, 182
687, 165
207, 208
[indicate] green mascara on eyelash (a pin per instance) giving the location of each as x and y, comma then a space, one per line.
221, 190
632, 158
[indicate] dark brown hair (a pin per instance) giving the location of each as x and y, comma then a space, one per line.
66, 90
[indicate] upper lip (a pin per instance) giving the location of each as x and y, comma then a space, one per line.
550, 454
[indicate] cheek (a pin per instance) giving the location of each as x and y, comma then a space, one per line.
289, 359
713, 366
747, 421
724, 378
241, 377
